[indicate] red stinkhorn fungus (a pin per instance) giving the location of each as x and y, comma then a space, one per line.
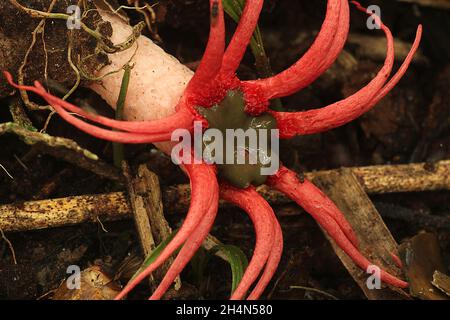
213, 81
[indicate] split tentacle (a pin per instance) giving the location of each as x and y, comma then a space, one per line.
241, 38
211, 61
400, 72
287, 182
337, 45
188, 250
272, 262
346, 110
312, 64
325, 206
202, 200
260, 213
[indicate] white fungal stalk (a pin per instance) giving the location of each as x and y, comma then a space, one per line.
157, 79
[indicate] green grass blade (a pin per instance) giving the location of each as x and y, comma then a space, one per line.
237, 260
118, 153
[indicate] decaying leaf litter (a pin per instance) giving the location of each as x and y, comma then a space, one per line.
366, 142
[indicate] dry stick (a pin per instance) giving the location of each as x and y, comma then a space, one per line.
139, 209
147, 207
61, 148
11, 247
114, 206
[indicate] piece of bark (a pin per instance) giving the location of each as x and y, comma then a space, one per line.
135, 187
375, 240
153, 200
421, 257
147, 207
442, 282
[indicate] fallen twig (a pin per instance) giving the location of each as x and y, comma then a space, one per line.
114, 206
11, 247
147, 207
62, 148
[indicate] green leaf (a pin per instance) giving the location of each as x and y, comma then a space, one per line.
234, 256
237, 260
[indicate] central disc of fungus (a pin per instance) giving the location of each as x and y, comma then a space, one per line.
245, 135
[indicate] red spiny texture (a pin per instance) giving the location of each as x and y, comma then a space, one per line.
202, 199
244, 31
188, 250
214, 77
317, 205
212, 92
256, 101
261, 215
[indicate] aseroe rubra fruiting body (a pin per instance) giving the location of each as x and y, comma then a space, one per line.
213, 80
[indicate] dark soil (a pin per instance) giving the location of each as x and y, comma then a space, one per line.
410, 125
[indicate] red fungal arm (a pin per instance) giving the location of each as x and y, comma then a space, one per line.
344, 111
316, 200
260, 213
272, 261
211, 61
398, 262
181, 119
202, 199
188, 250
140, 131
286, 181
308, 66
241, 38
400, 72
336, 47
114, 136
309, 75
